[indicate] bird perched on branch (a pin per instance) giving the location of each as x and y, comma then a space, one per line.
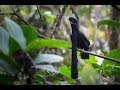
81, 41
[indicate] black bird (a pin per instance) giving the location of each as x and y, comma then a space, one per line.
82, 42
78, 41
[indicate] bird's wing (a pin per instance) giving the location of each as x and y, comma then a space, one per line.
84, 37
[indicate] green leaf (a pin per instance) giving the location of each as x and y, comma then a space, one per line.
8, 65
49, 68
13, 46
111, 23
115, 53
6, 80
30, 33
50, 17
92, 62
48, 58
111, 67
15, 32
96, 66
89, 75
65, 71
24, 11
4, 38
49, 43
92, 59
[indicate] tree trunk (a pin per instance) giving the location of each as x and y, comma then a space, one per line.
114, 32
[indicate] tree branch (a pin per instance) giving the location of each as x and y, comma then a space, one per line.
39, 12
7, 14
116, 7
58, 20
19, 16
111, 59
77, 17
41, 36
41, 19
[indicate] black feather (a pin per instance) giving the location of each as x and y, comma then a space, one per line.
82, 41
74, 62
79, 40
74, 71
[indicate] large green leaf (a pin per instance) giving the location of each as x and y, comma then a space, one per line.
49, 68
111, 23
111, 67
65, 71
48, 58
15, 32
8, 65
88, 75
115, 53
4, 38
13, 46
30, 33
49, 43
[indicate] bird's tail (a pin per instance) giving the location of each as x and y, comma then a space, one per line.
84, 55
74, 70
74, 63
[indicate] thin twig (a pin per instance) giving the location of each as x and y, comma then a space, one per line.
26, 22
58, 20
76, 15
108, 58
7, 14
19, 16
41, 19
39, 12
116, 7
73, 7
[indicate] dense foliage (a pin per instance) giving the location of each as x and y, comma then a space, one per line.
52, 55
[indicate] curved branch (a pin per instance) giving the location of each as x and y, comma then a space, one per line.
41, 36
116, 7
108, 58
58, 20
19, 16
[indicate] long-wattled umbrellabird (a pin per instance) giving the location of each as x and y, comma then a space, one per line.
80, 41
